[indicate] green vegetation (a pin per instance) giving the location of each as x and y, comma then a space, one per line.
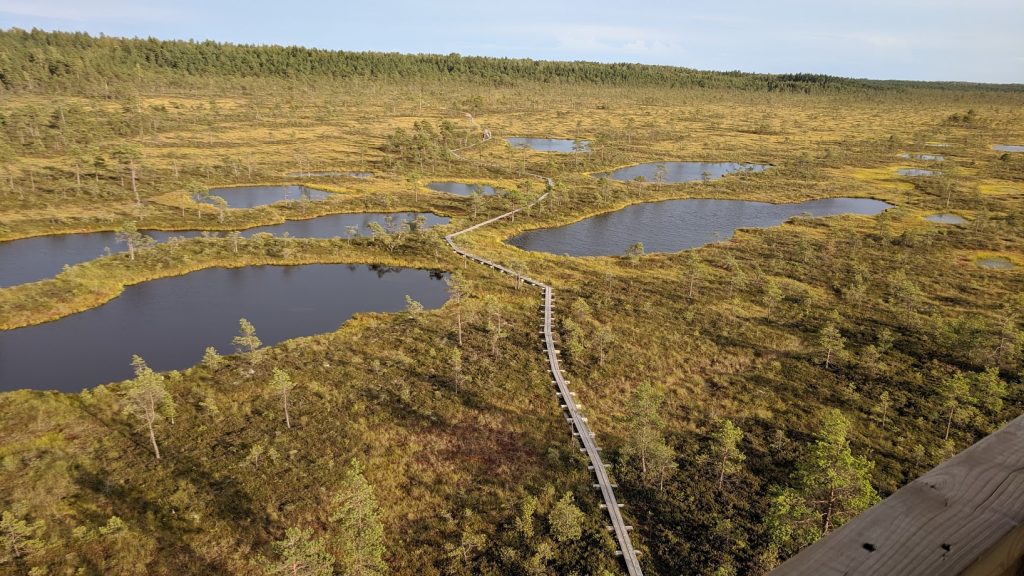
734, 388
67, 61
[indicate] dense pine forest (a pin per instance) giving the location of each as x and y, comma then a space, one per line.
750, 395
78, 62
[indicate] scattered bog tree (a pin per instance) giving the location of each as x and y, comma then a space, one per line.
725, 450
246, 341
300, 554
831, 341
974, 397
831, 486
883, 407
695, 270
412, 307
635, 252
281, 383
357, 537
236, 238
20, 538
128, 156
211, 358
566, 520
221, 205
147, 398
130, 236
771, 297
457, 288
645, 442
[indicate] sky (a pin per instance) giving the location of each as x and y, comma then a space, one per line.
966, 40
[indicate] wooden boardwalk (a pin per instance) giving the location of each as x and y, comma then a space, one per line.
965, 516
572, 410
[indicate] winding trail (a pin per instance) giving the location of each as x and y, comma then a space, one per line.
568, 401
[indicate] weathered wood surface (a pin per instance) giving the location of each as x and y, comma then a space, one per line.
965, 516
568, 401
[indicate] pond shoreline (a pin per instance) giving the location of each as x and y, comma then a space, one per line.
96, 282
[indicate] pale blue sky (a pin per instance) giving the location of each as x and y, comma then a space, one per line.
970, 40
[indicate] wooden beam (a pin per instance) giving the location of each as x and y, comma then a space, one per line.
963, 517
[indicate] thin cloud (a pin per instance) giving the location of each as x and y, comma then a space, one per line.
92, 11
604, 39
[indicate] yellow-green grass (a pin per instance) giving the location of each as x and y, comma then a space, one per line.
433, 452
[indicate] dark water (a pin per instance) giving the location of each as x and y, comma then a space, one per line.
550, 144
461, 188
917, 172
931, 157
170, 322
320, 174
253, 196
42, 257
997, 263
945, 219
340, 225
331, 174
1008, 148
681, 171
675, 225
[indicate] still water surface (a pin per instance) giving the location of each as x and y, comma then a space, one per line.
32, 259
675, 225
674, 172
550, 144
461, 188
946, 219
171, 321
253, 196
997, 263
917, 172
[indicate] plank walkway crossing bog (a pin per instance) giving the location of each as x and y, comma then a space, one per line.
568, 402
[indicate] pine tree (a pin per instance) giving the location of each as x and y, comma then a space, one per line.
725, 450
566, 520
133, 239
831, 341
281, 383
771, 297
129, 155
300, 554
20, 538
246, 341
635, 252
645, 441
831, 487
357, 538
148, 400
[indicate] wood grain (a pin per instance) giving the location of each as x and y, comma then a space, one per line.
965, 516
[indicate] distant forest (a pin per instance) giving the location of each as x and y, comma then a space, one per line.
75, 62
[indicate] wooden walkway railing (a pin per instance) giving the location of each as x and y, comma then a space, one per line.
568, 401
963, 517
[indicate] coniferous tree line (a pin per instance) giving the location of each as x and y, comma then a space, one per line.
79, 62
